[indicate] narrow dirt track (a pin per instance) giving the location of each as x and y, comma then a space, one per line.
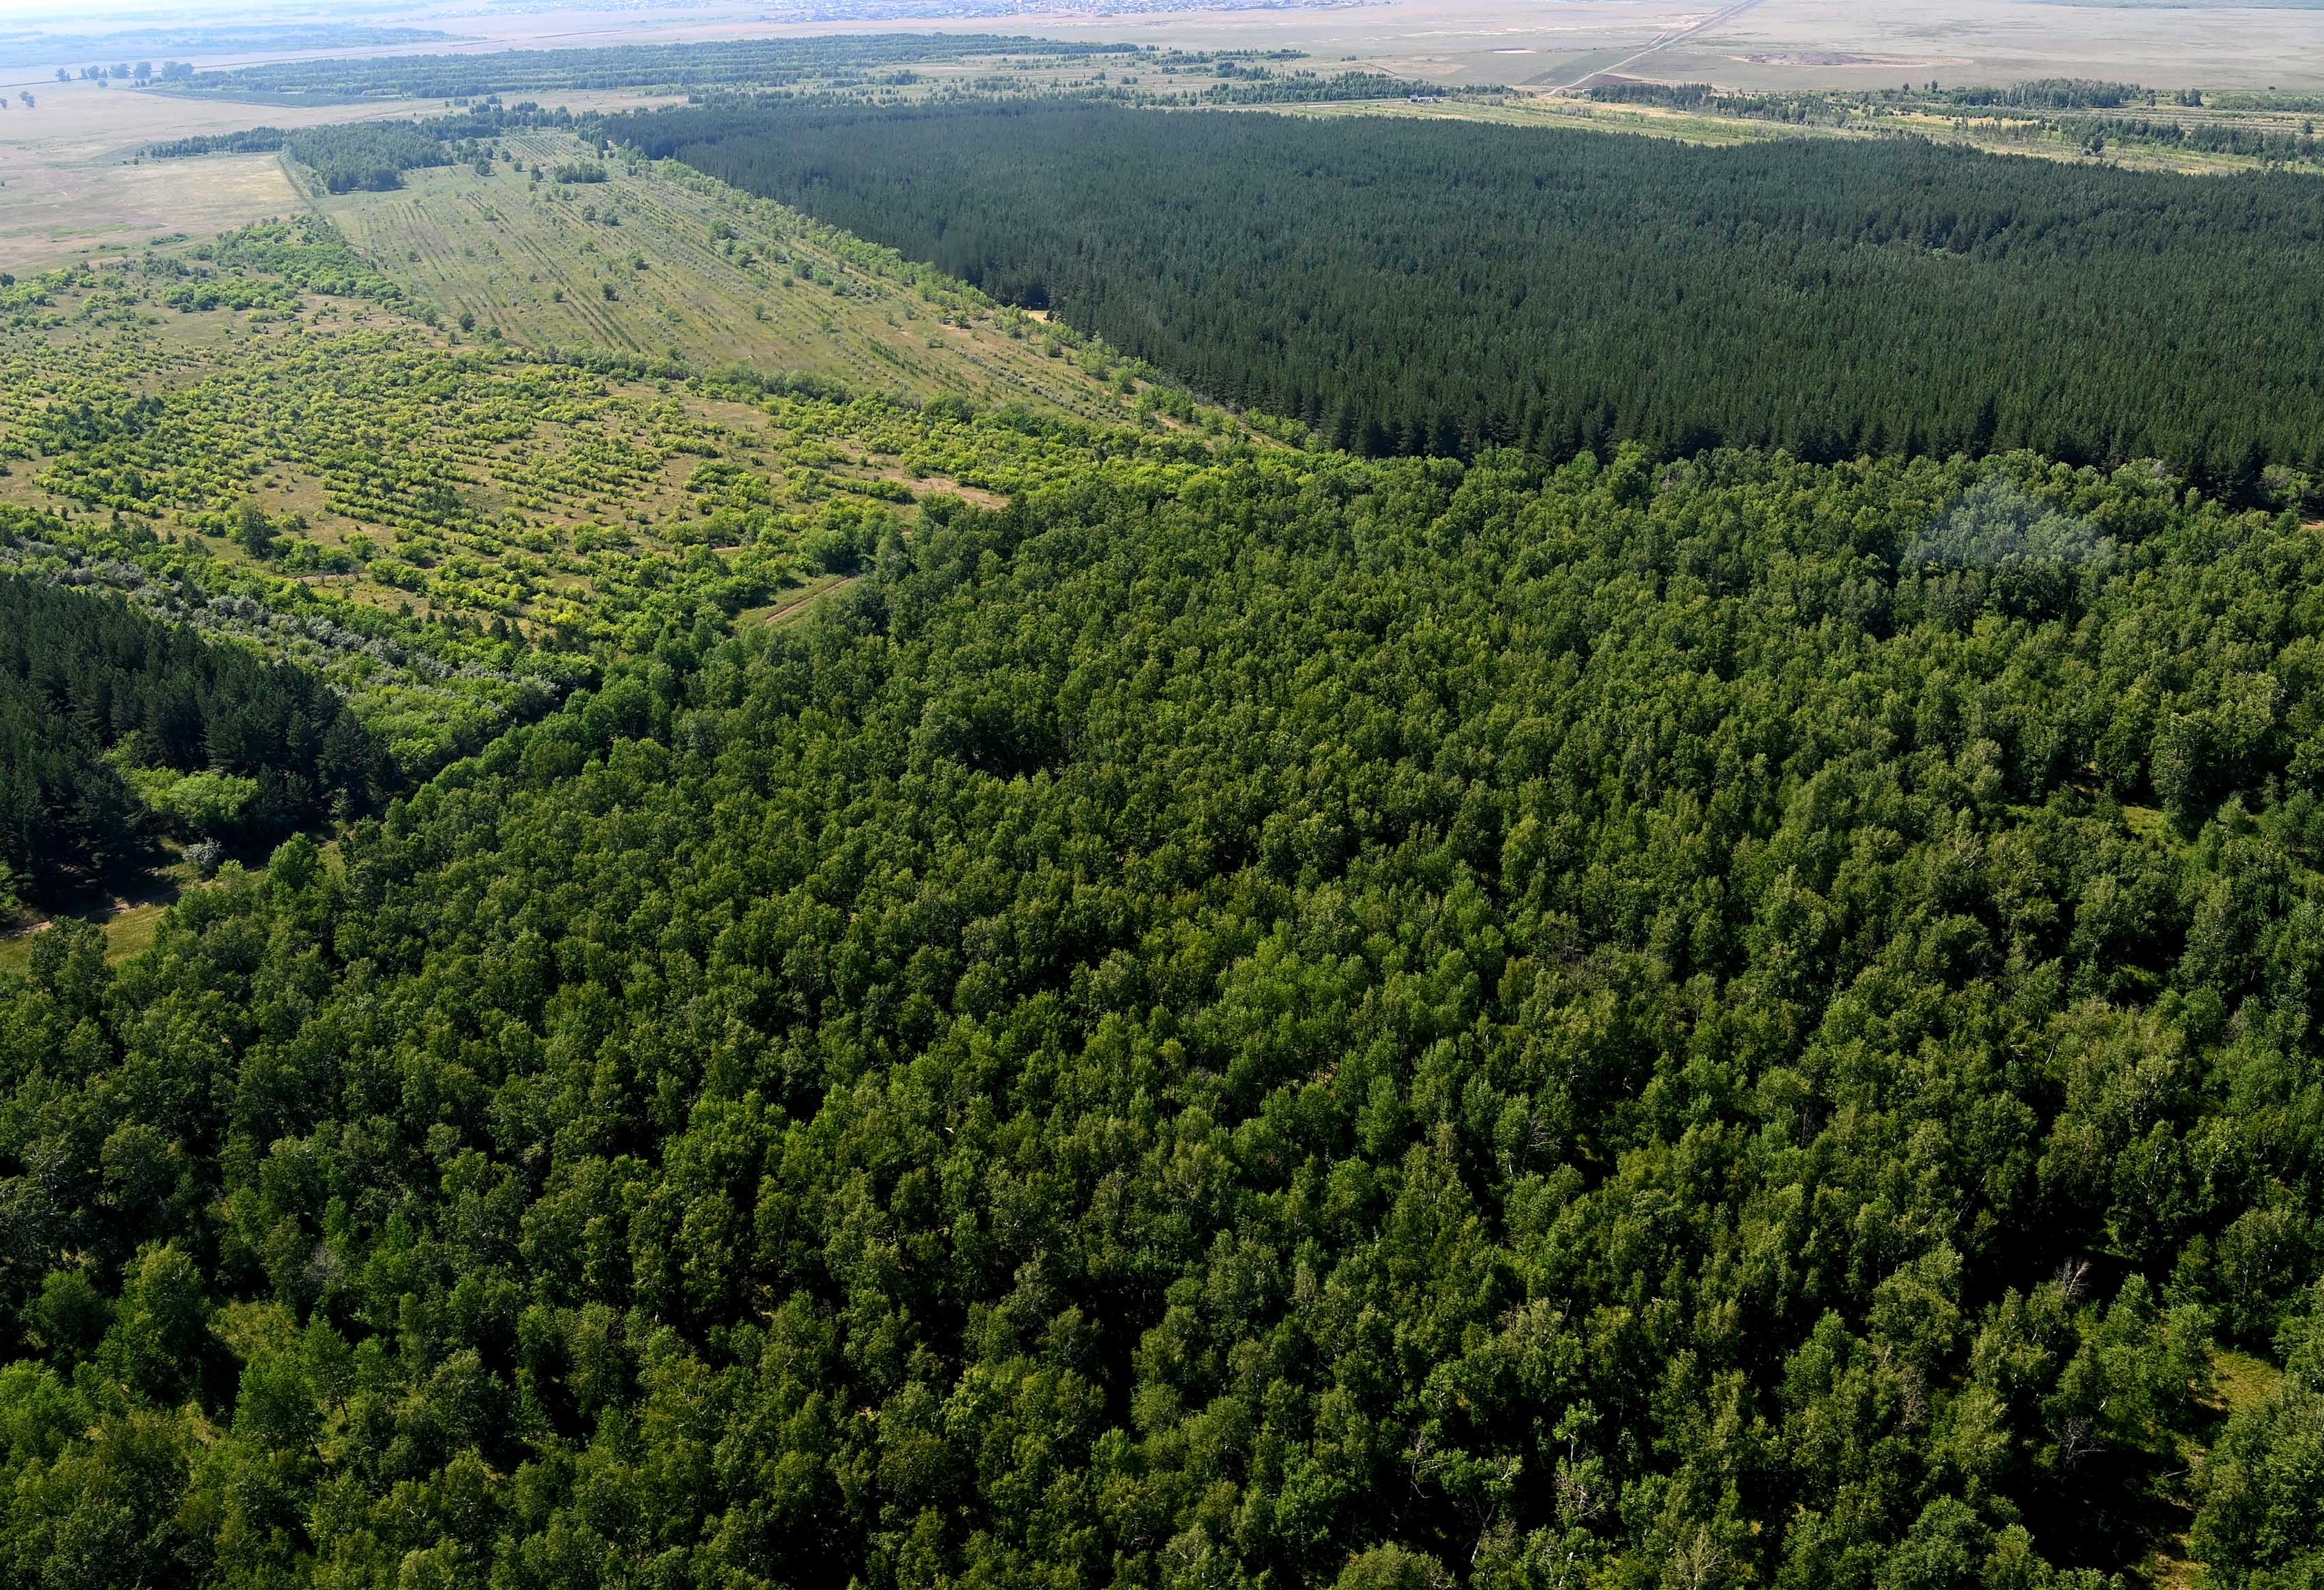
1665, 41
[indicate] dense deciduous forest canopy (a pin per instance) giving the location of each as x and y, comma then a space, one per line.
1431, 286
115, 725
1281, 1023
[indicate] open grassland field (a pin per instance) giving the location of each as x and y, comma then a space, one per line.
656, 262
445, 526
1838, 43
1785, 44
71, 181
2191, 133
1778, 44
75, 180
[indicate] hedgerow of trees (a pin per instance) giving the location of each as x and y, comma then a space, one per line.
1274, 1022
250, 141
706, 64
1435, 287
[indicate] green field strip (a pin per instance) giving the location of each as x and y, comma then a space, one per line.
521, 259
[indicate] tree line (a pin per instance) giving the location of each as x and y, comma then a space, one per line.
250, 141
117, 726
366, 156
1283, 1022
360, 157
2068, 110
1427, 287
706, 64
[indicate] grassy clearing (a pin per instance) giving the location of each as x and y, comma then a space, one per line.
129, 928
49, 214
73, 181
2241, 1381
2238, 1382
130, 923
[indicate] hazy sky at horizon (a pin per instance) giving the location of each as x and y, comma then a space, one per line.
82, 16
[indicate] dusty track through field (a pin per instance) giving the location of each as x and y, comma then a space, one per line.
1677, 36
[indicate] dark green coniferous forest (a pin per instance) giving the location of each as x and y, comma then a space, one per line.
1435, 286
118, 722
